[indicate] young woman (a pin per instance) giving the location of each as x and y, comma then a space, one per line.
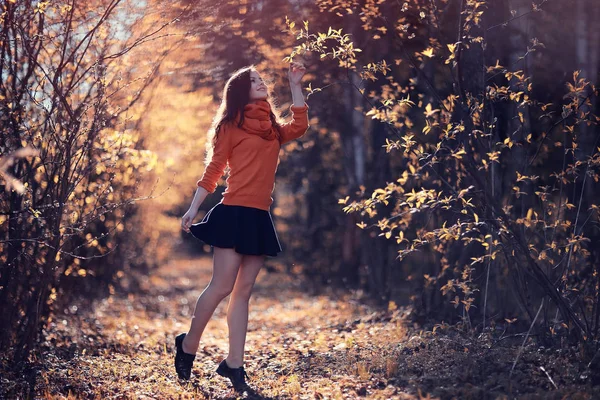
246, 135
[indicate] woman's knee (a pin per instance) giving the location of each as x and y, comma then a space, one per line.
243, 289
225, 269
220, 290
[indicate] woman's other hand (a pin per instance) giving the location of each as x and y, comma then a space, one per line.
186, 220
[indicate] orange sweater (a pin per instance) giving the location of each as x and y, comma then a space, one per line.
252, 159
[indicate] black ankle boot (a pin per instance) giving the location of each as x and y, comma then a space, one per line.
183, 361
236, 375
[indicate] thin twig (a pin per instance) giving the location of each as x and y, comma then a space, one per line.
526, 337
549, 378
534, 9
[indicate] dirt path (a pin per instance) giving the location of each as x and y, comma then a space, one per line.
298, 346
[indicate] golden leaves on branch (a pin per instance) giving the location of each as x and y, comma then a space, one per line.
40, 7
332, 44
428, 52
452, 47
370, 71
437, 142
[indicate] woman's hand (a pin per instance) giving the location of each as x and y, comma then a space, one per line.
296, 72
186, 220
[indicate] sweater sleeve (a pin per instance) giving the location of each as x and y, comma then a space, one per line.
297, 126
215, 168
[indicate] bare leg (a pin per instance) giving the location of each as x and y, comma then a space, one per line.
237, 310
226, 263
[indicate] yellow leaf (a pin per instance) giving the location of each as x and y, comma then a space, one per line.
343, 201
400, 237
458, 155
529, 214
392, 305
428, 52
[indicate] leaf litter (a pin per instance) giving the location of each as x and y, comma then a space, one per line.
332, 345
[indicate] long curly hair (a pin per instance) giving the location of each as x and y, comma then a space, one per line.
236, 95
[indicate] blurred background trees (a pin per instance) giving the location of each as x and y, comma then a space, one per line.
451, 162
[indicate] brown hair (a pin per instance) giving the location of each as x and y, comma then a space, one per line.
236, 95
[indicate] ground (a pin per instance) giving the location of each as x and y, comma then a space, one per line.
299, 346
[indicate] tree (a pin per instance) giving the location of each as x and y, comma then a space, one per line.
68, 83
472, 193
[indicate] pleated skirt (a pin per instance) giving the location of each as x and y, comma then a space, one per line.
248, 230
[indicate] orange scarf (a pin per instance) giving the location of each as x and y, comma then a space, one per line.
257, 120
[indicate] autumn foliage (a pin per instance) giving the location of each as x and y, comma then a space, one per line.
70, 158
452, 161
492, 185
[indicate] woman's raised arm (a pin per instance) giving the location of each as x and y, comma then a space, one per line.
299, 124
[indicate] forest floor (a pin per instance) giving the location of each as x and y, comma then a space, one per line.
299, 346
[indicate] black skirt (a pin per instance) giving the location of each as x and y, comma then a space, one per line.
248, 230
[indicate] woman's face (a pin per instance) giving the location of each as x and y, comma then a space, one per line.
258, 89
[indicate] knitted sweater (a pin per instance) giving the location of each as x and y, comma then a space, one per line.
252, 153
